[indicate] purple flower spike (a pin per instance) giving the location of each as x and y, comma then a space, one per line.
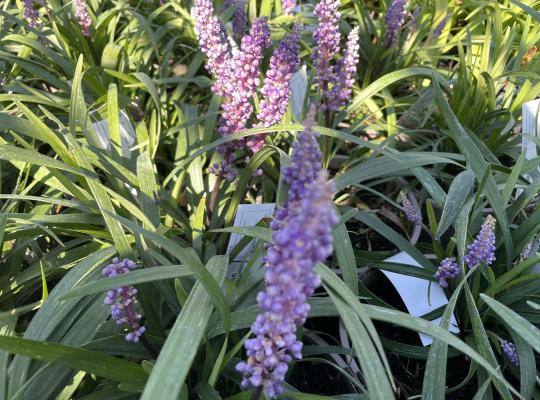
214, 44
327, 38
483, 247
240, 88
243, 82
244, 78
276, 90
411, 212
510, 350
287, 6
239, 20
302, 236
305, 160
81, 13
225, 169
395, 17
301, 241
448, 269
123, 300
30, 13
346, 71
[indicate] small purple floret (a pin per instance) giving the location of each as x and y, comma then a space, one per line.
277, 84
123, 300
225, 168
411, 212
30, 13
327, 40
81, 13
509, 348
242, 84
239, 20
345, 71
287, 6
214, 44
447, 269
395, 17
305, 161
483, 247
244, 78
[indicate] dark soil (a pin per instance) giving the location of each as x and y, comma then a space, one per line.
318, 378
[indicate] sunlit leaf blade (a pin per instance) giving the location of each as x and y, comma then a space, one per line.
180, 348
76, 358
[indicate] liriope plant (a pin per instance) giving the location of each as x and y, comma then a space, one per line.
70, 205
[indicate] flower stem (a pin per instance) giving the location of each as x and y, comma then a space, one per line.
256, 393
149, 347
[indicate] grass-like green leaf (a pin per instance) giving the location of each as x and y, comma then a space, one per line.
76, 358
180, 348
133, 278
457, 196
521, 326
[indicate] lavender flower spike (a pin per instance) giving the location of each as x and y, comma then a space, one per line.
447, 269
276, 90
483, 247
214, 44
327, 38
123, 300
302, 241
410, 210
239, 20
510, 350
287, 6
30, 13
346, 71
241, 85
395, 17
244, 78
81, 12
306, 160
302, 236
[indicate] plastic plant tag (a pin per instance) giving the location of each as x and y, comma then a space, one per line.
531, 126
414, 292
246, 215
530, 113
127, 133
298, 91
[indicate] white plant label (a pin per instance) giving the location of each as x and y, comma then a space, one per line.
246, 215
531, 126
414, 292
127, 137
127, 133
298, 91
